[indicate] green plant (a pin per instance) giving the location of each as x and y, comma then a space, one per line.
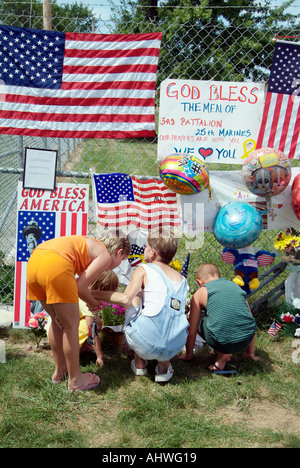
112, 314
37, 325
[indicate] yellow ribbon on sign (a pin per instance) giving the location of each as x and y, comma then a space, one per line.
248, 143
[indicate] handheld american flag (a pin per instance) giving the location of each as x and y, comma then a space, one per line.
77, 85
123, 201
281, 117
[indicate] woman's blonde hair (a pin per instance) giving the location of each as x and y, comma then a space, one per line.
114, 240
107, 281
163, 241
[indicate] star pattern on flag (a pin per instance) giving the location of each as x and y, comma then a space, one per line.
45, 222
136, 255
285, 72
114, 188
31, 57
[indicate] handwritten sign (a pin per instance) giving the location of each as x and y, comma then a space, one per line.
216, 121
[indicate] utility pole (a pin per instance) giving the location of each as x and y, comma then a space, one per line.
47, 19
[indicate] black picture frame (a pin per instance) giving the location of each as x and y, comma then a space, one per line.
40, 169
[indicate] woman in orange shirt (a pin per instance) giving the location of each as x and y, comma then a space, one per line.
59, 272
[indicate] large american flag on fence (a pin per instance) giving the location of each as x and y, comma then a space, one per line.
77, 85
281, 117
48, 223
126, 201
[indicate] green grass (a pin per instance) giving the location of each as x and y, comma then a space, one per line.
259, 407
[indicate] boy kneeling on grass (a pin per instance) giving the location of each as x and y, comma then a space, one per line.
227, 325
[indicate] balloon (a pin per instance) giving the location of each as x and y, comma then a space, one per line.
295, 198
237, 225
184, 174
266, 172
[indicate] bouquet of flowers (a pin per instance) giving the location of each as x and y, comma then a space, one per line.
288, 318
112, 314
288, 243
292, 322
37, 325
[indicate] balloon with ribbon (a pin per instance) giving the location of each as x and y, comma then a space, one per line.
184, 174
266, 172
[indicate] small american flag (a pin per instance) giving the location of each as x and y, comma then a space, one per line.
281, 117
77, 85
136, 255
185, 267
123, 201
274, 328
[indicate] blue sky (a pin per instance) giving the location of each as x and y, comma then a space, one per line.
102, 9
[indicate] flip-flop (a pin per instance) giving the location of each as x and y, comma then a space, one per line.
164, 377
137, 371
59, 381
89, 385
219, 371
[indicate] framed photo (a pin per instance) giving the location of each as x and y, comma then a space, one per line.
40, 168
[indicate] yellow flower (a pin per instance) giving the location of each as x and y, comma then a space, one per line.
286, 240
175, 264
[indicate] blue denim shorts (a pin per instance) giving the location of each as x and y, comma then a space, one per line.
145, 336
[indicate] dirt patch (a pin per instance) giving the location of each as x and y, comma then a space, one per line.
262, 416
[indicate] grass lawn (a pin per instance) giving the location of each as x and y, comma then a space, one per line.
258, 407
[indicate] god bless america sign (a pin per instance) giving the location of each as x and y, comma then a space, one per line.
43, 215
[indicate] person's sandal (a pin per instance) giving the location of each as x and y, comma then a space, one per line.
164, 377
137, 371
89, 385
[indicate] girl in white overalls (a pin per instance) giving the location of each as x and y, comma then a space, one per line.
158, 330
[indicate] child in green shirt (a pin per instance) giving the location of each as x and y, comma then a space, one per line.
227, 326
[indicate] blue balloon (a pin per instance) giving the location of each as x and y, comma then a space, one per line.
237, 225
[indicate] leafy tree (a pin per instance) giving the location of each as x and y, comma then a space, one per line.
210, 39
29, 13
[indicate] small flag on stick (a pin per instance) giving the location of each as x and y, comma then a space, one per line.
185, 267
274, 328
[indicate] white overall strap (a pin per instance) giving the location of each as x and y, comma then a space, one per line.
168, 283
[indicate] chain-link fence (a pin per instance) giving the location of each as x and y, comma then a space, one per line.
196, 45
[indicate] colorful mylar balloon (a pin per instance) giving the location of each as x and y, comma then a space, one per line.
237, 225
184, 174
266, 172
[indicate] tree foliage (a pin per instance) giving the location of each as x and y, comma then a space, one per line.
29, 14
210, 39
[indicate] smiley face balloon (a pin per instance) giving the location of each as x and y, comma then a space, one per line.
184, 174
266, 172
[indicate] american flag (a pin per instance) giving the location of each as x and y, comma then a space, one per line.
185, 267
49, 224
281, 116
77, 85
274, 328
136, 255
123, 200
